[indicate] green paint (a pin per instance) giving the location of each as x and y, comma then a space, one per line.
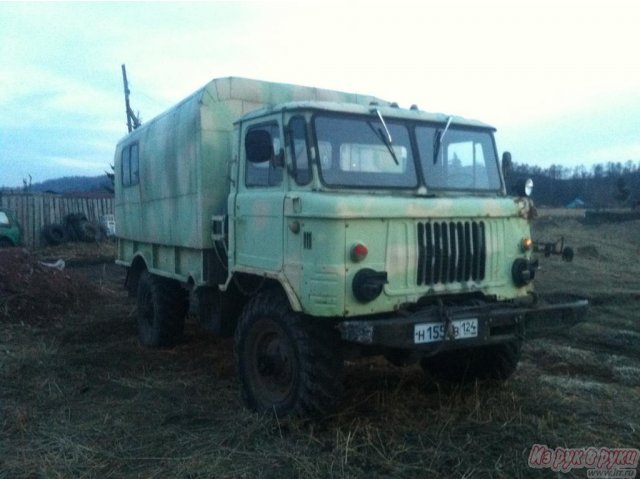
10, 232
193, 166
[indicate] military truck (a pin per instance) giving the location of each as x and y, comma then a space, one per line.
313, 225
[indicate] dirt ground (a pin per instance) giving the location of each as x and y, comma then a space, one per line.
79, 397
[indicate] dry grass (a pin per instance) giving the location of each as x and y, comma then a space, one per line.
80, 398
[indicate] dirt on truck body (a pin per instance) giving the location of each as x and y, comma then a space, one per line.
315, 225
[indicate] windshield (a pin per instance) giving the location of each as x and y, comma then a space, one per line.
466, 159
356, 152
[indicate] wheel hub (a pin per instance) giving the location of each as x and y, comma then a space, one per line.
274, 367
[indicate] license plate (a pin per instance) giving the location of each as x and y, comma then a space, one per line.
434, 332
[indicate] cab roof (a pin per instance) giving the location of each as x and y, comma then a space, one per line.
387, 111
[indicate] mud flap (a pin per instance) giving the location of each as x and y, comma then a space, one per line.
218, 311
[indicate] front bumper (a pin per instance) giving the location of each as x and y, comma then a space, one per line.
499, 322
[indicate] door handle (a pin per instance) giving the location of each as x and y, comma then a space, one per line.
295, 203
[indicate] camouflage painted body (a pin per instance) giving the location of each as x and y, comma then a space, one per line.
192, 170
185, 155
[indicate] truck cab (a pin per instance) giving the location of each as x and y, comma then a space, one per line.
369, 209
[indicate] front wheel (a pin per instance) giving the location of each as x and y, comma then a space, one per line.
286, 364
497, 362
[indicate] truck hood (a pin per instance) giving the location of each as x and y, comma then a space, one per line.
323, 205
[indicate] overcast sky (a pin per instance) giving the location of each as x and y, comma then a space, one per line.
559, 80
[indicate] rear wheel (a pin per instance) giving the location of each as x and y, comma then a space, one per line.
162, 307
286, 364
497, 362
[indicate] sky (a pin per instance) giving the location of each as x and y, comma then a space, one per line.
560, 80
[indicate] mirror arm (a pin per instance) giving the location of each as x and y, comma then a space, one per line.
277, 160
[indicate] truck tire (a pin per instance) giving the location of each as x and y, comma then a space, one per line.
88, 232
286, 364
72, 225
162, 307
497, 362
55, 234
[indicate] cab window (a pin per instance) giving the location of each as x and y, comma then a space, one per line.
130, 165
466, 160
299, 151
355, 152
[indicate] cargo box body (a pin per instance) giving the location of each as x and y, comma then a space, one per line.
172, 173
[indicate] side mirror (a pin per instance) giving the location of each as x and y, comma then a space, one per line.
258, 146
507, 164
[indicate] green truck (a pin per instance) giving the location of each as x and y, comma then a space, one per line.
10, 230
313, 225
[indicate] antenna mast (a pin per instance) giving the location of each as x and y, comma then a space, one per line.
133, 121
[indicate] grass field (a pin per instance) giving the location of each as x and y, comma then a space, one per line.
79, 397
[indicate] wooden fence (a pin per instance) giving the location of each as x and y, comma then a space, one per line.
35, 210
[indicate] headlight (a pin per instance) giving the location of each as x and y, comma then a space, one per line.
523, 188
368, 284
523, 271
528, 187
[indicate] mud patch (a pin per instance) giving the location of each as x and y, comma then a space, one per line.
34, 293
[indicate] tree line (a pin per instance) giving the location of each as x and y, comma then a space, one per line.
610, 185
602, 185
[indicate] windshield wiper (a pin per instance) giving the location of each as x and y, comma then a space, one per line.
440, 135
386, 139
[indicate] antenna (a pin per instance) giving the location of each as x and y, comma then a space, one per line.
133, 121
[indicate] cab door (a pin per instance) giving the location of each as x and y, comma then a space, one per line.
258, 212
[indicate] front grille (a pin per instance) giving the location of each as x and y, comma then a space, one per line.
451, 252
